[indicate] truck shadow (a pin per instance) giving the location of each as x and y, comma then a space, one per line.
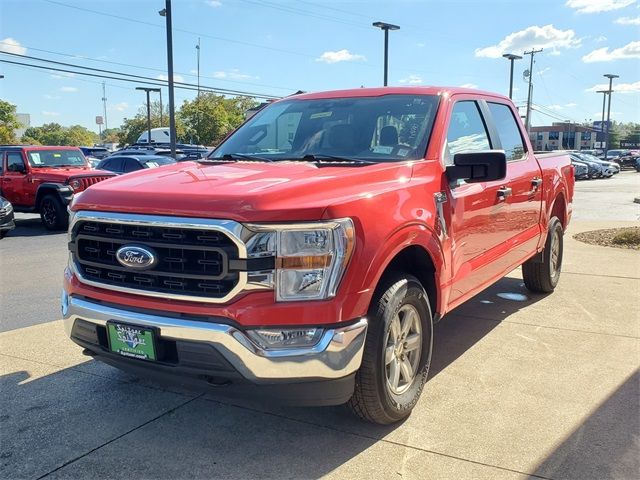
91, 417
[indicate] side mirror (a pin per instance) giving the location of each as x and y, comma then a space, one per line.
19, 168
473, 167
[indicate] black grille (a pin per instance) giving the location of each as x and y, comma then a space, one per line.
191, 262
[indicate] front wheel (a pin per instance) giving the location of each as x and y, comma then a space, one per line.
397, 352
53, 214
543, 277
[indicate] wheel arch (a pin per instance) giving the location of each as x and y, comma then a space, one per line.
52, 189
559, 209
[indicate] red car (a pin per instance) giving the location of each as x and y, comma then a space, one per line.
44, 179
310, 254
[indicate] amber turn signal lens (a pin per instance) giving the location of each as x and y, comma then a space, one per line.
308, 262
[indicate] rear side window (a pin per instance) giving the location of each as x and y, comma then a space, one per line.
508, 131
467, 131
131, 165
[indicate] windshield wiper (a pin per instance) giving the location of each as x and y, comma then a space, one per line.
320, 158
236, 156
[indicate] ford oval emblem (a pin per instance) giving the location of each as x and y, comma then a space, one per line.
136, 256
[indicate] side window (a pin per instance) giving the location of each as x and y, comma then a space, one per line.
508, 131
130, 165
466, 133
115, 165
14, 162
2, 155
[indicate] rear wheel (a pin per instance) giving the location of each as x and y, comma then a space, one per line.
53, 214
397, 352
543, 277
3, 233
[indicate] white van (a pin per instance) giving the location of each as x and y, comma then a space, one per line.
158, 135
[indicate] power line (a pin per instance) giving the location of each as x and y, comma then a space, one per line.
139, 78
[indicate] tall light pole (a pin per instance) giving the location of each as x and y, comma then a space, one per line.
166, 12
530, 94
148, 89
604, 102
610, 76
386, 27
511, 57
104, 106
198, 95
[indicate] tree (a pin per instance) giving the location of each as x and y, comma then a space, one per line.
210, 117
111, 135
8, 123
56, 134
133, 127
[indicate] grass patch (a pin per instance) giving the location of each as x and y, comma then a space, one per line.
628, 237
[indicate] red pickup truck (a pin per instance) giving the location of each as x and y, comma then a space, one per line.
310, 254
43, 180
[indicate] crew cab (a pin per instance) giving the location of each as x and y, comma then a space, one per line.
309, 255
43, 180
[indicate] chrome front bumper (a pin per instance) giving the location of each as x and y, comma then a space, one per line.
336, 355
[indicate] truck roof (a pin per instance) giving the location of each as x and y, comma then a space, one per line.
39, 147
379, 91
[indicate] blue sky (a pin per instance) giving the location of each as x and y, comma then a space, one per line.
277, 47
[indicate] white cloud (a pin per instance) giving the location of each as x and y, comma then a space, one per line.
420, 44
120, 107
544, 70
214, 3
176, 77
631, 50
50, 114
233, 74
343, 55
412, 80
469, 85
193, 72
570, 105
601, 38
68, 89
597, 6
617, 88
554, 107
628, 21
547, 37
11, 45
51, 97
62, 75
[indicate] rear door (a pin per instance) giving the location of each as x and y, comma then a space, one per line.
525, 184
14, 178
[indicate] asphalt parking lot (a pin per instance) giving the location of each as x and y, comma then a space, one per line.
521, 385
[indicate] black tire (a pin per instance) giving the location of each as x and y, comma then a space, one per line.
3, 233
374, 398
53, 214
543, 277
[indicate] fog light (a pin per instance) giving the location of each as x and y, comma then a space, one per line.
276, 338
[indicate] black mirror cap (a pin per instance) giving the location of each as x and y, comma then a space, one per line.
473, 167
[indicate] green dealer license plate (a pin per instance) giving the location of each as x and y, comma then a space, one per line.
132, 341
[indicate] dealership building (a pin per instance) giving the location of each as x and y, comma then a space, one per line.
563, 136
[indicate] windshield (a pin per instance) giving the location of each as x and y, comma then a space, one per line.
56, 158
384, 128
158, 161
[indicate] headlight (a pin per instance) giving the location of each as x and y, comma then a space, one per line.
75, 184
311, 258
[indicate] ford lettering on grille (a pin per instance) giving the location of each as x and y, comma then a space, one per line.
134, 256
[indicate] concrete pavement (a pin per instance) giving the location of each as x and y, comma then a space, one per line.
521, 385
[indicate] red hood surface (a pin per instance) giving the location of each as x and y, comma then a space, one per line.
241, 191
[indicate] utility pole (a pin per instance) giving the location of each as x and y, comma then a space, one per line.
530, 95
386, 27
604, 101
610, 76
104, 105
198, 95
161, 114
166, 12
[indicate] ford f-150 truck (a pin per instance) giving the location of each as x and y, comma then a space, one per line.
309, 255
44, 179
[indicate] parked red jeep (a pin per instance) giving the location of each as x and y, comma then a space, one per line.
44, 179
310, 254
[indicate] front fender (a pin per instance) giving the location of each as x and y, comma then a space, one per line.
64, 192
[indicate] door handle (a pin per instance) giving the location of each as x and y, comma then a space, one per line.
504, 192
536, 182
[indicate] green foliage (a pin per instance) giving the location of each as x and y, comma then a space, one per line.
8, 123
629, 237
210, 117
56, 134
111, 135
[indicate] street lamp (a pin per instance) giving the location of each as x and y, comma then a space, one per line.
386, 27
166, 12
604, 102
511, 57
148, 89
610, 76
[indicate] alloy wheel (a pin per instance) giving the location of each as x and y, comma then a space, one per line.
403, 347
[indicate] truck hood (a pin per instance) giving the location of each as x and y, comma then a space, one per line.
242, 191
61, 175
